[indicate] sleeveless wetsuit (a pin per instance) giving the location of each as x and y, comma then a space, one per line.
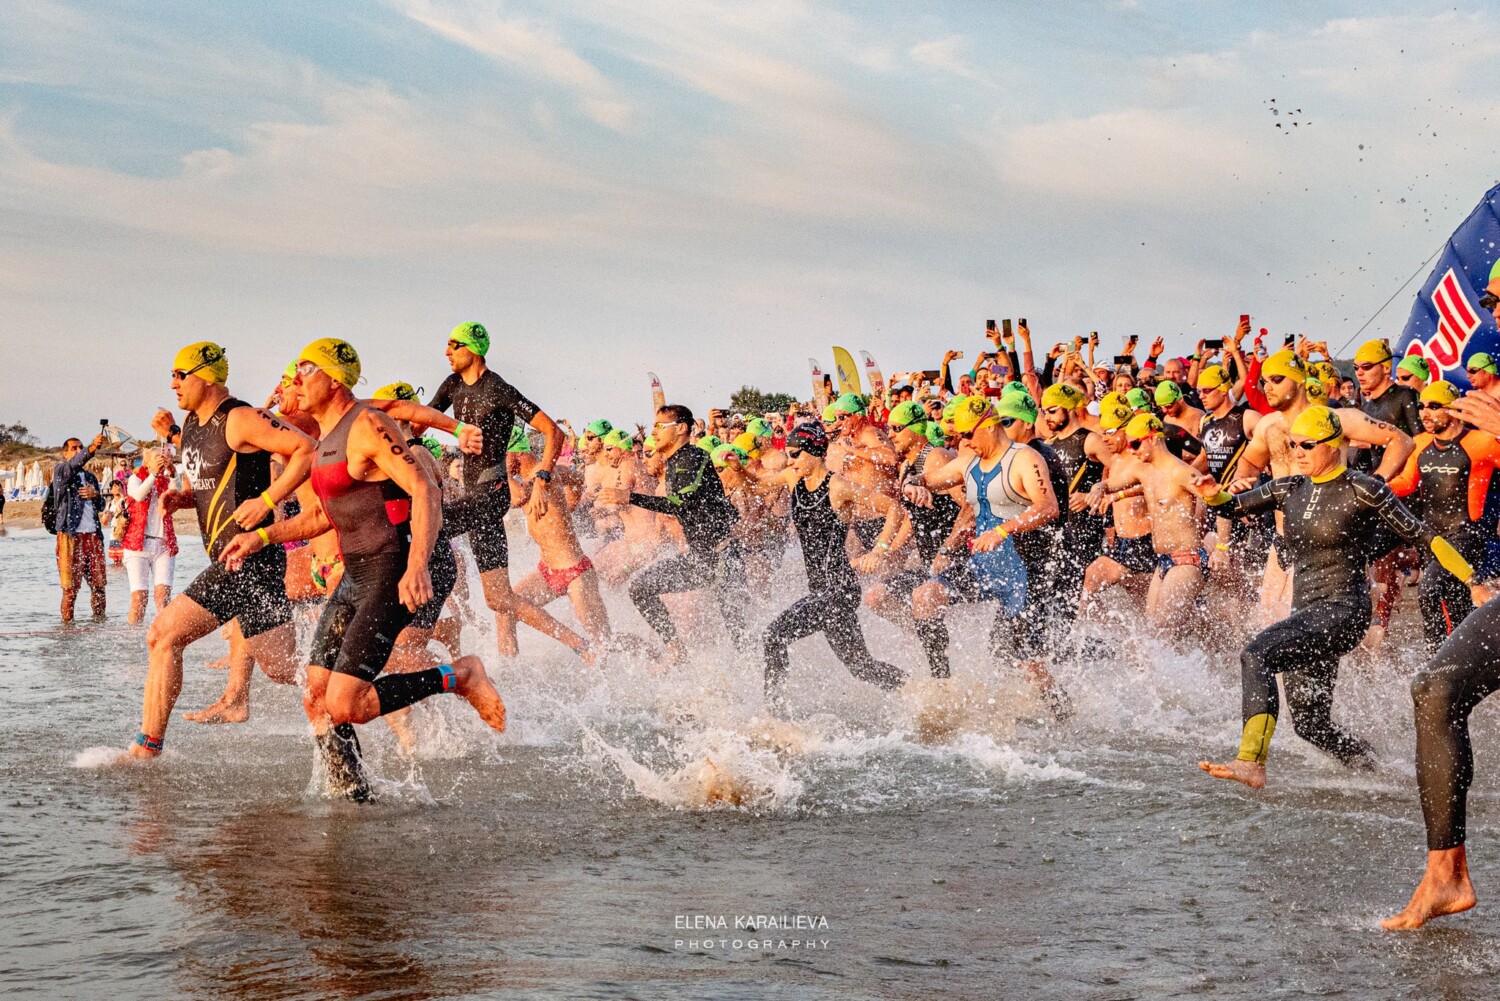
833, 599
998, 575
221, 480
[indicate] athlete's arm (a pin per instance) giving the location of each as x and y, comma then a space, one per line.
470, 438
1265, 497
1028, 476
248, 429
945, 477
375, 437
1480, 410
552, 439
309, 523
1404, 483
1365, 430
683, 482
1254, 459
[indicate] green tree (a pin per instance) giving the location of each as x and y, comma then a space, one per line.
751, 401
16, 434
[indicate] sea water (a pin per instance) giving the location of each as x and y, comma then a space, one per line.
645, 835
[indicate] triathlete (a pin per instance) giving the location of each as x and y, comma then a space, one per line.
226, 452
387, 510
1130, 556
696, 498
924, 522
479, 396
562, 570
1171, 495
1332, 519
1009, 489
1176, 410
1225, 432
1282, 377
864, 456
1079, 450
642, 534
822, 505
1450, 472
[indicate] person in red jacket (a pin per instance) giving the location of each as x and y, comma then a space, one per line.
150, 539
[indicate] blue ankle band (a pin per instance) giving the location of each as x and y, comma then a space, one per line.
149, 743
450, 679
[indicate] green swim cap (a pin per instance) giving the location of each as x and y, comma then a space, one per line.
650, 442
434, 446
850, 403
951, 407
1483, 361
472, 336
599, 428
1018, 405
1167, 393
1137, 399
721, 455
907, 415
1417, 366
709, 442
830, 414
518, 441
935, 433
760, 428
1015, 386
619, 438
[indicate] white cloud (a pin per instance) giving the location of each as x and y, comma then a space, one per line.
945, 54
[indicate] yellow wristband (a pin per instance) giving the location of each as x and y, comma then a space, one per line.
1000, 531
265, 495
264, 535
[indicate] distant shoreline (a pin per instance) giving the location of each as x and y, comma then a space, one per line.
28, 514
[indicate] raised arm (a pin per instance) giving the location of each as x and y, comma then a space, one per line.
248, 429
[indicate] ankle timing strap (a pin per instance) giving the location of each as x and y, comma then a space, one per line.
148, 742
450, 677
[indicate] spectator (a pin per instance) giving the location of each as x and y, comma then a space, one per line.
80, 542
151, 539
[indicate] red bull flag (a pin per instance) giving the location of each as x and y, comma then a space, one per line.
1447, 323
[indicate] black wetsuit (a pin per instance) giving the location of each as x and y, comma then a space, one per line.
930, 527
1224, 442
1042, 550
223, 479
1082, 531
832, 603
1181, 442
695, 496
492, 405
1398, 406
1453, 491
1330, 528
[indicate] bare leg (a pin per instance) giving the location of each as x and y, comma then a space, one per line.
588, 605
1445, 889
529, 599
180, 623
501, 600
1170, 604
137, 611
234, 705
884, 604
163, 595
347, 699
1101, 575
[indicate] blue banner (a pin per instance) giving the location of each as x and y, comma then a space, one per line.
1447, 325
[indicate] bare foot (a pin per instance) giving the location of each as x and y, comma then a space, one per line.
222, 664
135, 752
474, 687
1248, 772
229, 709
1445, 889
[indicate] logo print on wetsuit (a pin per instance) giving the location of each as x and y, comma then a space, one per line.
192, 464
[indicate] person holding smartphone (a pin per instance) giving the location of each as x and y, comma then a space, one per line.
77, 501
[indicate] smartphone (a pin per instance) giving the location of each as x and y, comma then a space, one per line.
1216, 344
1005, 326
932, 375
1244, 319
957, 355
1093, 337
1289, 340
1124, 360
1022, 323
989, 325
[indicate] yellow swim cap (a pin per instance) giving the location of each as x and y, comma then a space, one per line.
1144, 426
1324, 372
205, 359
1213, 377
1319, 424
746, 443
1285, 363
396, 391
337, 358
1373, 353
1061, 394
972, 414
1441, 392
1316, 391
1114, 412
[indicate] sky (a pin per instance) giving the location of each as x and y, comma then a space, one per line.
712, 191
